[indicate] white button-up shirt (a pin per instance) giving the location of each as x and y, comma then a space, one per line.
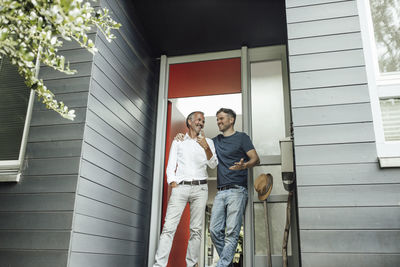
188, 161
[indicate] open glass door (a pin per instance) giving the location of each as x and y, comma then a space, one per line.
269, 108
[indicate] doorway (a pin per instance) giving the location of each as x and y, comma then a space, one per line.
266, 118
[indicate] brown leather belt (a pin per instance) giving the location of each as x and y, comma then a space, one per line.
195, 182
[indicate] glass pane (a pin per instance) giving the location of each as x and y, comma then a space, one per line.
386, 20
277, 221
13, 105
268, 118
391, 118
277, 186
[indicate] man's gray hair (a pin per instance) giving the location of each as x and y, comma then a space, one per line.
190, 116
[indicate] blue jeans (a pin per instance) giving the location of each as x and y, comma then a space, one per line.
226, 221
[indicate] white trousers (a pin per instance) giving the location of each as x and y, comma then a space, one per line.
196, 196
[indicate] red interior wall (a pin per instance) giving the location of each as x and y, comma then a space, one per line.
213, 77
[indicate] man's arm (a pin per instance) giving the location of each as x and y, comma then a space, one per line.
241, 165
171, 167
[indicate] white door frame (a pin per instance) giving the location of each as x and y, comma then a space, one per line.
247, 56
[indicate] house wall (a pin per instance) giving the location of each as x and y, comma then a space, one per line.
113, 200
348, 207
36, 213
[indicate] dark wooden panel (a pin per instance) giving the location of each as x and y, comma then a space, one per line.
69, 85
326, 78
334, 134
54, 149
51, 166
76, 55
72, 100
49, 117
368, 173
116, 78
36, 220
100, 159
104, 260
34, 240
321, 61
351, 94
367, 218
325, 43
323, 27
337, 114
82, 69
104, 211
97, 227
361, 241
134, 162
131, 33
115, 137
100, 110
109, 180
26, 258
41, 184
113, 198
349, 196
128, 116
129, 68
97, 244
56, 132
117, 95
37, 202
350, 259
101, 78
321, 11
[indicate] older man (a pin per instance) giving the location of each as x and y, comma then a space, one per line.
187, 175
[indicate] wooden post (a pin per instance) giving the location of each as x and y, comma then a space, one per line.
286, 233
269, 258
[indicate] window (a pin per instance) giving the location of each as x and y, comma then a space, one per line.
380, 26
14, 102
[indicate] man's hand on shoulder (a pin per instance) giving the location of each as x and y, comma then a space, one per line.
179, 137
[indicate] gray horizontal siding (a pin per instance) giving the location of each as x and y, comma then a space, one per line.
351, 94
40, 240
340, 59
350, 259
321, 44
334, 134
330, 77
366, 218
360, 241
300, 3
112, 209
96, 209
103, 245
42, 258
105, 260
335, 154
349, 195
335, 114
348, 207
364, 173
84, 224
324, 27
321, 12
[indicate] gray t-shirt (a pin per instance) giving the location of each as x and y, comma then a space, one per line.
229, 150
